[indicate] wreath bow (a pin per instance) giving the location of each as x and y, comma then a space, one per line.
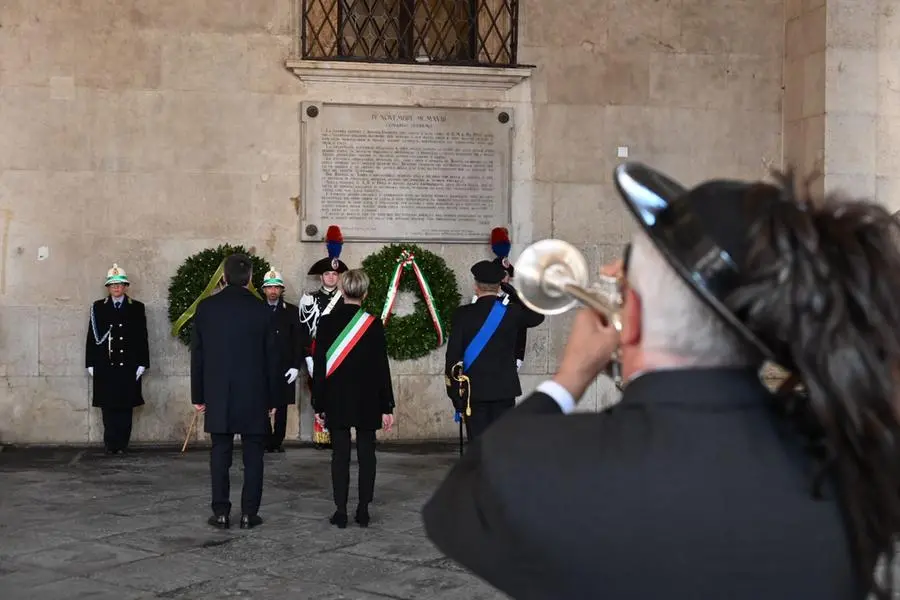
405, 262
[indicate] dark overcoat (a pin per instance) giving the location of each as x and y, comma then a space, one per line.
690, 488
234, 362
116, 345
290, 338
359, 391
522, 339
493, 374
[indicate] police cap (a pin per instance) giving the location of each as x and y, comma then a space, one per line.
487, 271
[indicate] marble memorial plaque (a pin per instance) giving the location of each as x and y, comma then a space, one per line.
387, 173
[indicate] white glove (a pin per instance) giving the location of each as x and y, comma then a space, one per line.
518, 364
309, 365
91, 371
291, 375
140, 371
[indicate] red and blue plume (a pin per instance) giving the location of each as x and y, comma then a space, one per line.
334, 241
500, 243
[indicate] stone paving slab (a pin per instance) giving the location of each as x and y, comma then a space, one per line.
76, 524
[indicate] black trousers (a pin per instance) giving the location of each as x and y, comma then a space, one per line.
253, 450
340, 465
484, 413
117, 428
276, 435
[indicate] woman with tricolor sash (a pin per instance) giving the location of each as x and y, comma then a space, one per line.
352, 389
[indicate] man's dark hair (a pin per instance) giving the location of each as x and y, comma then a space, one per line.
238, 270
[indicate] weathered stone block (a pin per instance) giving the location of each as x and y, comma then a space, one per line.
423, 410
44, 409
851, 81
61, 338
19, 327
887, 146
850, 143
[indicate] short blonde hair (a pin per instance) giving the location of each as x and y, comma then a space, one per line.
354, 284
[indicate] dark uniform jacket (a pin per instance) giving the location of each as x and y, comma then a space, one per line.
234, 362
289, 334
359, 391
493, 374
522, 339
122, 348
691, 489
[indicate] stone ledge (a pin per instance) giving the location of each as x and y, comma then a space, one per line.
490, 78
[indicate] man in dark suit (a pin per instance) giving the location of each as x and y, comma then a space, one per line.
117, 353
491, 323
290, 351
694, 486
234, 381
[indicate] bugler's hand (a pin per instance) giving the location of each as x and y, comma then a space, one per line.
591, 344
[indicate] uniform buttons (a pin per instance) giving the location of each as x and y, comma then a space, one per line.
121, 338
121, 351
120, 324
121, 364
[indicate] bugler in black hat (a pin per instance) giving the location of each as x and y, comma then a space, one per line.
704, 234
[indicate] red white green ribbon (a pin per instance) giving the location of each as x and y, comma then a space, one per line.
408, 261
346, 341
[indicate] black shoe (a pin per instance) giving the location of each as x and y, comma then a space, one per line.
250, 521
362, 516
340, 519
219, 521
280, 449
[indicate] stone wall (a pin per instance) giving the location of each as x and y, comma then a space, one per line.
842, 95
141, 131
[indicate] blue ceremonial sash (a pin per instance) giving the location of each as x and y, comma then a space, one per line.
484, 334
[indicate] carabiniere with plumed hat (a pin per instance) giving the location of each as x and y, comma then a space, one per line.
316, 304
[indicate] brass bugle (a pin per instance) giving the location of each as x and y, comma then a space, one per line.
552, 277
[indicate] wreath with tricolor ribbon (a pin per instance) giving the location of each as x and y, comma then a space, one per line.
401, 268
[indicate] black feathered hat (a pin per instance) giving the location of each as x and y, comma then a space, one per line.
703, 233
334, 241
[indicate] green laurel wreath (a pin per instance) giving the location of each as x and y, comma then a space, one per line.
194, 274
411, 336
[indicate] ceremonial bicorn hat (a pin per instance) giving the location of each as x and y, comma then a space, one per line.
334, 242
501, 245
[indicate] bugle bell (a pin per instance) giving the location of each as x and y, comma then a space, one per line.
552, 277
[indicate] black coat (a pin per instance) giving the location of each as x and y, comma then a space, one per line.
522, 339
493, 374
122, 349
234, 362
289, 334
359, 391
691, 488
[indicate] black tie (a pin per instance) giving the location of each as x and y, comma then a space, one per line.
274, 307
118, 305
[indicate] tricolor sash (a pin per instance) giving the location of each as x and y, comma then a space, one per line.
347, 340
